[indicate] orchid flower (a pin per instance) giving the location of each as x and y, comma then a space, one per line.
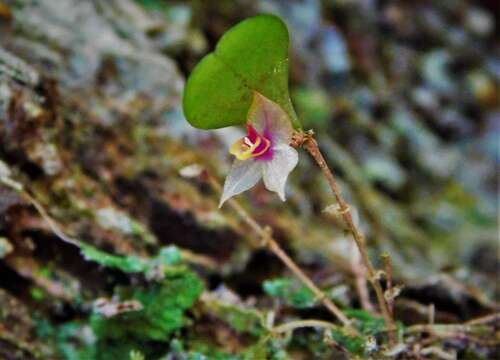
265, 151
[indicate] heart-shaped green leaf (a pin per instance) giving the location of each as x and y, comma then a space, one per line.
251, 56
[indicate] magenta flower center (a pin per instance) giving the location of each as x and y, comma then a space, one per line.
254, 145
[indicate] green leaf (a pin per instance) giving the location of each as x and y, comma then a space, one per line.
251, 56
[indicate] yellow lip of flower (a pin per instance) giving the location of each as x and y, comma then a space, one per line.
243, 148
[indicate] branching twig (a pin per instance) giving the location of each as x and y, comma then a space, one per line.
310, 144
270, 243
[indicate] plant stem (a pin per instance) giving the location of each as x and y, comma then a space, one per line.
268, 241
302, 324
311, 146
449, 330
388, 275
484, 319
360, 282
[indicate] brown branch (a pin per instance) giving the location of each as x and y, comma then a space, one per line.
270, 243
310, 144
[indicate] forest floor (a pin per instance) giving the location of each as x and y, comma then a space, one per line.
110, 250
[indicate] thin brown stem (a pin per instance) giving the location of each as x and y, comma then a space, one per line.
360, 282
449, 330
268, 241
388, 275
484, 319
302, 324
43, 213
361, 288
312, 147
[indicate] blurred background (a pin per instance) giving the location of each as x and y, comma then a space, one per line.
403, 97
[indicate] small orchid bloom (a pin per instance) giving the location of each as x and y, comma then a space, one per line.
264, 153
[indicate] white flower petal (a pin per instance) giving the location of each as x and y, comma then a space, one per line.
269, 117
276, 171
242, 176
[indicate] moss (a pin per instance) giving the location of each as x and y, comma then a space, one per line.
146, 331
371, 328
164, 305
290, 292
167, 256
203, 350
244, 320
272, 349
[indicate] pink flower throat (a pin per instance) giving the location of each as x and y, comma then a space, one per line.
264, 151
